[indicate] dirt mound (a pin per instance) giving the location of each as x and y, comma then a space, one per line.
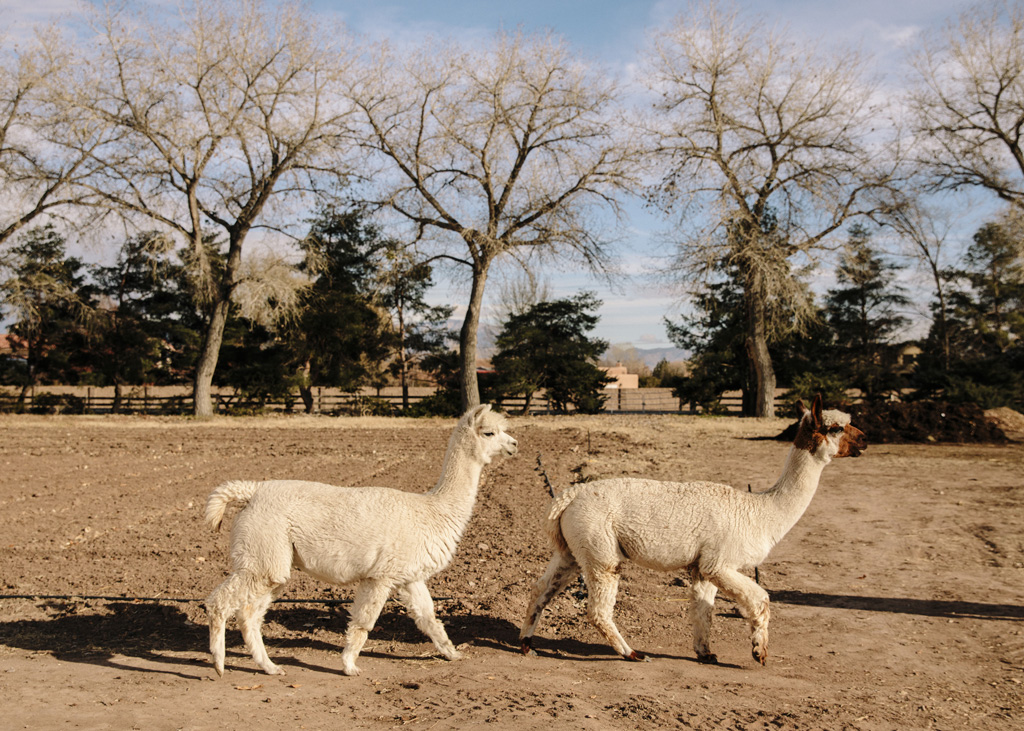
1010, 421
922, 422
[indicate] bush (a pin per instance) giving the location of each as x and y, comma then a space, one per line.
368, 406
57, 403
808, 384
439, 403
919, 422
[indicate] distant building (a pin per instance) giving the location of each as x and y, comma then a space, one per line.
13, 346
621, 378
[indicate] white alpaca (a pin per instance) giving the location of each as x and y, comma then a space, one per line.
378, 538
710, 530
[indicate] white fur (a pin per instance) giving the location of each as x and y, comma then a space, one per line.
708, 529
378, 538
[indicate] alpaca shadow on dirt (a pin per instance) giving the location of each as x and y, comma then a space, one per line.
898, 605
97, 633
578, 650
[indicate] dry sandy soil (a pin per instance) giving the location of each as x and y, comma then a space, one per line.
898, 600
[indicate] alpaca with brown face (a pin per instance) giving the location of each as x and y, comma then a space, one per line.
712, 531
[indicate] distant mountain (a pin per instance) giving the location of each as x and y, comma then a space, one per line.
652, 356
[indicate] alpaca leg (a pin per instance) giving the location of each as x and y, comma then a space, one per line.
562, 569
602, 586
222, 602
250, 621
369, 600
702, 607
416, 598
753, 604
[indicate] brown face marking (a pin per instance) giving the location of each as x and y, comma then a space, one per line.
852, 443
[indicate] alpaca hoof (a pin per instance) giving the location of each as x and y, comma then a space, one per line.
708, 659
527, 646
351, 671
761, 655
453, 655
635, 656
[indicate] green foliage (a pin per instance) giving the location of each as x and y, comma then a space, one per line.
863, 313
985, 322
259, 369
139, 337
439, 403
444, 366
807, 385
47, 300
547, 348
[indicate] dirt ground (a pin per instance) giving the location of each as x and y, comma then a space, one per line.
898, 599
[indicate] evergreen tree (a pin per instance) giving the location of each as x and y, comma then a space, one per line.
716, 337
419, 328
994, 270
864, 314
985, 324
547, 347
46, 296
138, 317
342, 337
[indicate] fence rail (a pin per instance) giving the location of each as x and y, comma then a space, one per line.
178, 400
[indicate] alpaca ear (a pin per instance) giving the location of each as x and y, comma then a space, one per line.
478, 412
816, 410
800, 409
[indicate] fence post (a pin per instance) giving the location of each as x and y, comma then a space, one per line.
145, 399
319, 399
88, 398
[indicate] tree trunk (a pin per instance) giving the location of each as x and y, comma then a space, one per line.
202, 397
403, 361
306, 388
115, 408
469, 389
757, 350
202, 386
306, 394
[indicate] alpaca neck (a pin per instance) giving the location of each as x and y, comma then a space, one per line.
793, 491
460, 477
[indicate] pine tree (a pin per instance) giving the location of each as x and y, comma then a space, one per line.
547, 348
864, 314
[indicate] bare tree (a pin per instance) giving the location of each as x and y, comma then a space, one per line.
224, 113
46, 145
510, 150
925, 230
766, 148
968, 101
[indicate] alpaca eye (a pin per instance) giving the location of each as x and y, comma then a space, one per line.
835, 429
488, 434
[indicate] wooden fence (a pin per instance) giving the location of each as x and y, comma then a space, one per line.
178, 400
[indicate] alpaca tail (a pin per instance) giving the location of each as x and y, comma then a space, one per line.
236, 491
553, 525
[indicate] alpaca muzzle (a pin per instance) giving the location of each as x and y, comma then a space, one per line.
853, 442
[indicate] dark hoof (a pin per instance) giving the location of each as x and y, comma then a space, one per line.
635, 656
709, 659
527, 646
761, 657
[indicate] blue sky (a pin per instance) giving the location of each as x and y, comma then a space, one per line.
609, 32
